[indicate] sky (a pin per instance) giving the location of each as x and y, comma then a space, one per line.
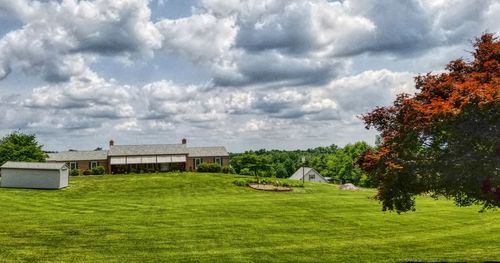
246, 74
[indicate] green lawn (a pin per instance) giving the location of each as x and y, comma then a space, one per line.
202, 217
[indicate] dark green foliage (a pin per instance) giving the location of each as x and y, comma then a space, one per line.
209, 168
338, 163
245, 171
228, 170
86, 172
99, 170
74, 172
281, 171
21, 147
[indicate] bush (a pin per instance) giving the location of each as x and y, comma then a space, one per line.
245, 171
228, 170
98, 170
74, 172
240, 182
86, 172
209, 168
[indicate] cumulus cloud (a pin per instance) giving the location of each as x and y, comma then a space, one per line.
58, 39
279, 71
200, 37
91, 97
295, 43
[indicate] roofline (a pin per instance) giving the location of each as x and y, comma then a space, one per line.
147, 144
40, 169
30, 168
220, 146
74, 160
193, 156
149, 154
78, 151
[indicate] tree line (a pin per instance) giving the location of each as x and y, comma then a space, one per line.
338, 163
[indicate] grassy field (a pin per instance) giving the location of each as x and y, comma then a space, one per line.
205, 218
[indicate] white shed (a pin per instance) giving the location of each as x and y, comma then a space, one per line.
309, 175
34, 175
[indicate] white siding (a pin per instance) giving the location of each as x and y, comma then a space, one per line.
307, 175
28, 178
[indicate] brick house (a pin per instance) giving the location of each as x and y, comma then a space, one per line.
143, 158
83, 160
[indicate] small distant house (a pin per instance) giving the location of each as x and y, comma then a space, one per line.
309, 174
34, 175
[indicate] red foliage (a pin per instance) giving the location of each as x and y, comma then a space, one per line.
421, 134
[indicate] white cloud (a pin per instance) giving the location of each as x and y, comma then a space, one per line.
281, 71
128, 125
58, 39
201, 37
91, 96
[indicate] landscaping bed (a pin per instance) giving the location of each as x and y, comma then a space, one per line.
269, 187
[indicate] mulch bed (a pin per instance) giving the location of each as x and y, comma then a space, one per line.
269, 187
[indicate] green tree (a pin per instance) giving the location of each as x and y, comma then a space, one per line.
21, 147
281, 171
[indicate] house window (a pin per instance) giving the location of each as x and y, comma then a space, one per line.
218, 160
312, 177
197, 162
73, 165
93, 164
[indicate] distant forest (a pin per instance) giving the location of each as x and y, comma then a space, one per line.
338, 163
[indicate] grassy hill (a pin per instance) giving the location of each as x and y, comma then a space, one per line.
203, 217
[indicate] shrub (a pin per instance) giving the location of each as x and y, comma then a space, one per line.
240, 182
228, 170
98, 170
245, 171
86, 172
74, 172
209, 168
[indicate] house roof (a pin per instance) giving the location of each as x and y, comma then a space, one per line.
33, 166
298, 174
77, 156
207, 151
147, 149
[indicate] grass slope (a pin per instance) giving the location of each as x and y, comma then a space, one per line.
203, 217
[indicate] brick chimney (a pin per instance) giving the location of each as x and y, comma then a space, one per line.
111, 142
184, 141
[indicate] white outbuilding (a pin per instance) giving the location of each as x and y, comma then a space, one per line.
34, 175
309, 174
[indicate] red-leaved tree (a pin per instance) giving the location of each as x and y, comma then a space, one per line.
445, 139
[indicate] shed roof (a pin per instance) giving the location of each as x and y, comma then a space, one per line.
215, 151
33, 166
77, 156
147, 149
298, 173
